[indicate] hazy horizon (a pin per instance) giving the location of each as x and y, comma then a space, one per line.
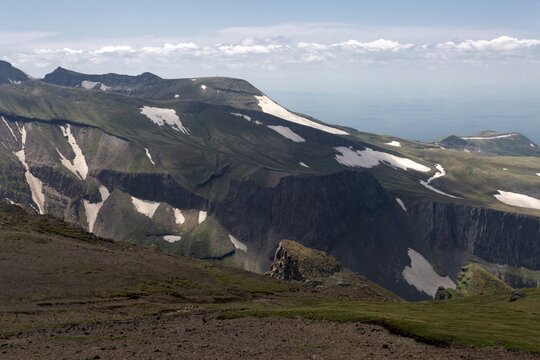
416, 70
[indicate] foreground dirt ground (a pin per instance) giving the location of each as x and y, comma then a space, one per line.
203, 336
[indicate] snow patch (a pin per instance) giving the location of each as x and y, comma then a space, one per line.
36, 186
161, 117
89, 84
242, 116
422, 276
257, 122
238, 244
487, 137
149, 156
394, 143
176, 96
9, 127
15, 82
467, 150
270, 107
368, 158
145, 207
537, 174
438, 174
304, 165
400, 202
287, 133
532, 145
202, 216
172, 238
92, 209
179, 218
104, 87
78, 166
519, 200
505, 169
203, 87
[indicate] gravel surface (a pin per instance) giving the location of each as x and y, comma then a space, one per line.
205, 337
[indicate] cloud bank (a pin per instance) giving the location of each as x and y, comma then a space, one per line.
271, 48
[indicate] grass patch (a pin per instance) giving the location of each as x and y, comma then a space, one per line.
247, 284
63, 229
480, 320
174, 287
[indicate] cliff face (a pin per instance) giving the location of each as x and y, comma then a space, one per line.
347, 215
494, 236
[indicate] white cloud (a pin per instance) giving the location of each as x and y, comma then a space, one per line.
377, 45
168, 48
273, 48
113, 49
501, 43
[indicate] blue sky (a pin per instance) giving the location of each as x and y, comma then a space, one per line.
416, 69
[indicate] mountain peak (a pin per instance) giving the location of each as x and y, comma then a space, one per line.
10, 74
148, 76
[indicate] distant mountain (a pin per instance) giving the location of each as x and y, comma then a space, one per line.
491, 143
214, 90
223, 173
10, 74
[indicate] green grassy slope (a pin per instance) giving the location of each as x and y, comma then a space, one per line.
478, 320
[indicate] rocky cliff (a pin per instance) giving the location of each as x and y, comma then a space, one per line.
495, 236
293, 261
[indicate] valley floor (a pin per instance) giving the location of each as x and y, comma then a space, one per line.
204, 336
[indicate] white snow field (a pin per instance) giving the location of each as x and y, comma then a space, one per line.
400, 202
438, 174
248, 118
394, 143
36, 186
145, 207
537, 174
238, 244
149, 156
202, 216
92, 209
369, 158
303, 164
287, 133
9, 127
78, 166
270, 107
203, 87
422, 276
519, 200
487, 137
89, 84
104, 87
161, 117
178, 217
172, 238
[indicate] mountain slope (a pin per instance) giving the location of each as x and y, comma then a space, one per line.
227, 179
10, 74
491, 143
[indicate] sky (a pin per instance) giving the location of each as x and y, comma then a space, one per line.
413, 69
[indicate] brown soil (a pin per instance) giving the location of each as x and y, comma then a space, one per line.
202, 336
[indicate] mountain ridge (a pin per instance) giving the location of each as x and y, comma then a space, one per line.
228, 177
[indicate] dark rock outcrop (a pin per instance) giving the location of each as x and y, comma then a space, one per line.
296, 262
155, 187
293, 261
